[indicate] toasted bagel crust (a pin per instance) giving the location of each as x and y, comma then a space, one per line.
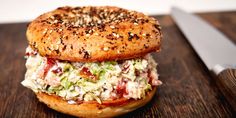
94, 109
88, 34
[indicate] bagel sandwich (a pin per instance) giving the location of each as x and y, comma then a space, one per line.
92, 61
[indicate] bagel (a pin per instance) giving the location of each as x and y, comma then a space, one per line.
93, 61
94, 109
94, 34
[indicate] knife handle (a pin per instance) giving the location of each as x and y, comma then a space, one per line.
226, 81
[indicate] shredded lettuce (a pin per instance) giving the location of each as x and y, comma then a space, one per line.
52, 89
65, 83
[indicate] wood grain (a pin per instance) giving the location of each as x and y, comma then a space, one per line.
188, 90
227, 81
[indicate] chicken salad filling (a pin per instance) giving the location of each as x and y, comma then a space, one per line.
90, 81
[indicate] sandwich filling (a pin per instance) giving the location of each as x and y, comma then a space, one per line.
76, 81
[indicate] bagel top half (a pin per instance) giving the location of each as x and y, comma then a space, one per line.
89, 34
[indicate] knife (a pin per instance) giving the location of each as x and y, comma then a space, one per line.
216, 51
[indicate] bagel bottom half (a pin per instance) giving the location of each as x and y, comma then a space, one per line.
94, 109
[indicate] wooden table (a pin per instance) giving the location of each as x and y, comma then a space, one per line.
188, 90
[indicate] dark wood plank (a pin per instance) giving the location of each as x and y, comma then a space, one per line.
188, 90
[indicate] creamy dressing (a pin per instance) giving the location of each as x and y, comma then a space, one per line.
91, 81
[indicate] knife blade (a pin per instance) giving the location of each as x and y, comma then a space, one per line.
216, 51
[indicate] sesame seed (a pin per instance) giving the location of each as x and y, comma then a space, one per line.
50, 31
87, 35
117, 36
45, 30
114, 34
55, 21
105, 48
52, 17
118, 51
112, 27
